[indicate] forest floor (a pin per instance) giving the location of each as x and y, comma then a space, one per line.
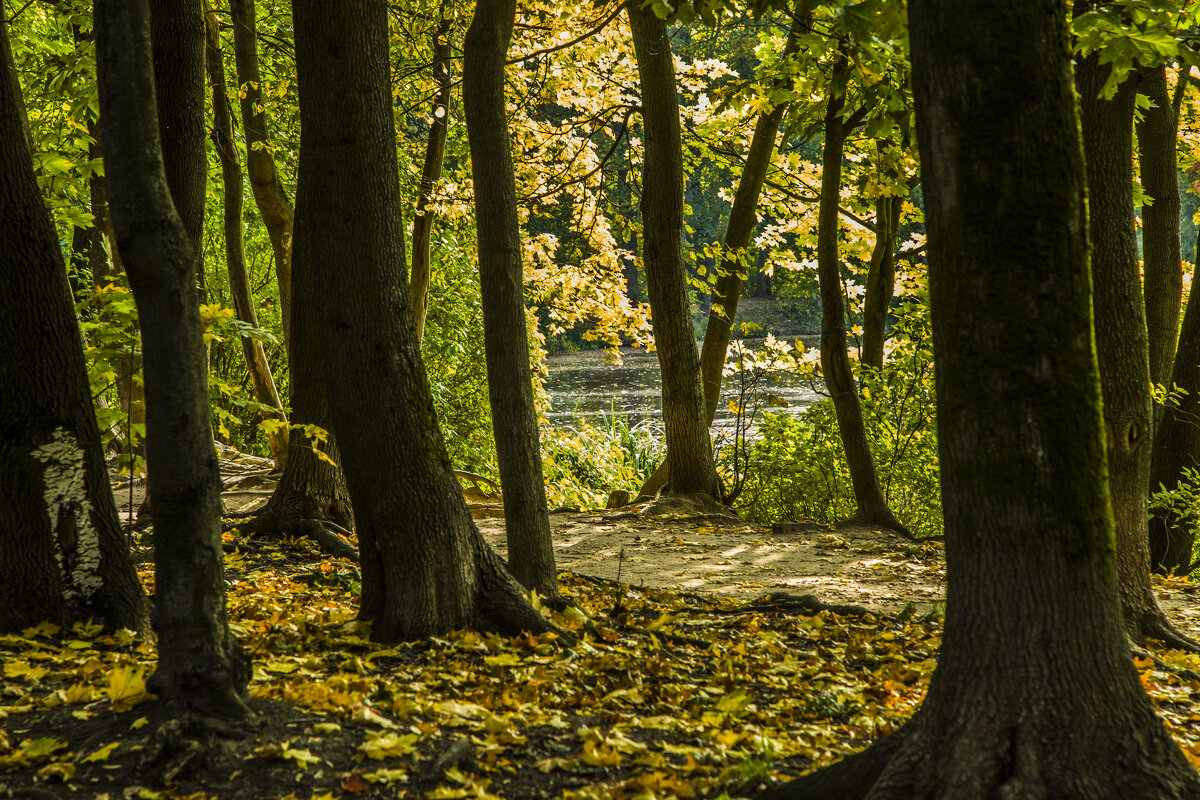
706, 673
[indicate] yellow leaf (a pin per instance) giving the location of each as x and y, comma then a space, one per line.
127, 685
138, 723
103, 753
384, 745
325, 728
387, 776
59, 770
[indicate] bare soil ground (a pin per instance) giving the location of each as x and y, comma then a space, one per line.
661, 545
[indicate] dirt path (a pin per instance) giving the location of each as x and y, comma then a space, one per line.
660, 546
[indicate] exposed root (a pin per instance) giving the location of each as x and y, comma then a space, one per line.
330, 537
885, 520
1156, 626
803, 603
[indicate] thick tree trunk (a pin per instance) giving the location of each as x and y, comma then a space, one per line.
881, 281
431, 171
62, 553
200, 661
835, 359
1163, 261
510, 382
1176, 448
426, 568
1034, 695
272, 200
689, 450
1121, 337
235, 256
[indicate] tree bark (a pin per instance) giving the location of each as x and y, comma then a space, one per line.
426, 568
273, 202
728, 291
689, 450
235, 256
200, 661
881, 281
510, 382
62, 552
1121, 337
431, 171
1034, 695
1163, 260
835, 359
177, 39
1176, 448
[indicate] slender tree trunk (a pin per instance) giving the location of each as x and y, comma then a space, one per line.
881, 281
1121, 338
200, 661
689, 450
1163, 261
1176, 448
431, 171
177, 39
62, 553
235, 256
510, 382
1034, 695
726, 294
835, 359
426, 569
273, 202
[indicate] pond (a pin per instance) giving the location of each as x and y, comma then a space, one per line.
584, 386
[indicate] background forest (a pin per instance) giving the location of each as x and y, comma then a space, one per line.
352, 239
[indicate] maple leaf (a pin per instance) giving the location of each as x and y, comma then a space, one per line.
388, 744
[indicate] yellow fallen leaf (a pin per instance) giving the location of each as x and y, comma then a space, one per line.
126, 683
59, 770
384, 745
387, 776
103, 753
325, 728
138, 723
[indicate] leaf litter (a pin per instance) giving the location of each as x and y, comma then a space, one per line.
670, 693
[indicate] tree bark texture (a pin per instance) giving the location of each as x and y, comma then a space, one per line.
431, 171
1162, 258
200, 661
881, 281
1176, 448
273, 202
177, 39
62, 552
728, 291
1120, 335
1035, 695
510, 382
835, 358
426, 568
235, 255
689, 450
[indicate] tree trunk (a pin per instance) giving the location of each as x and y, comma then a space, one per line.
510, 382
431, 171
1163, 261
235, 256
689, 450
728, 291
62, 554
1034, 695
200, 661
835, 359
1176, 448
1121, 337
177, 39
272, 200
881, 281
426, 569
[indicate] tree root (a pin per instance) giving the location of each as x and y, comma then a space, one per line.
330, 537
1181, 672
804, 603
848, 779
1156, 626
886, 521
